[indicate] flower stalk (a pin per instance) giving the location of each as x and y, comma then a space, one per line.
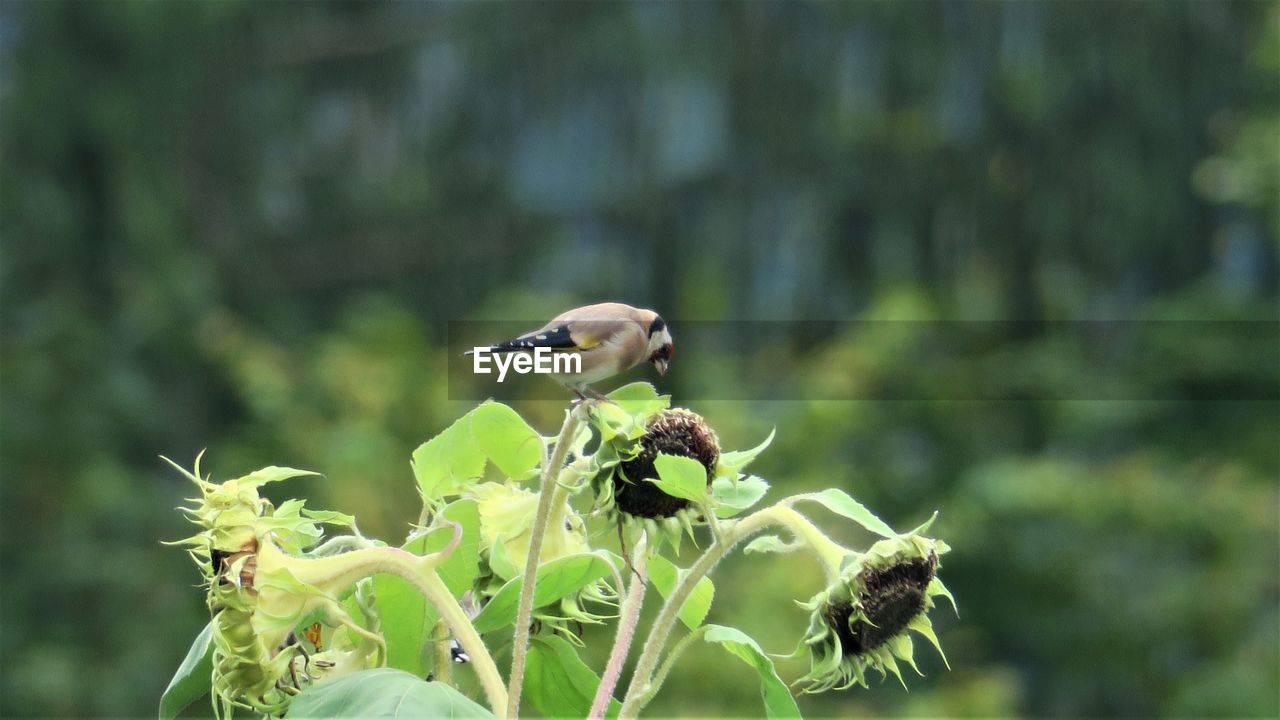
628, 618
642, 686
330, 574
550, 495
434, 589
672, 657
442, 652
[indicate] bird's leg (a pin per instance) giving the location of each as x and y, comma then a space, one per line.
587, 394
591, 392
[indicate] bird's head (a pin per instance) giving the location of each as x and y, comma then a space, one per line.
660, 346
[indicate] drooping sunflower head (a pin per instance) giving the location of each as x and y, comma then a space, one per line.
625, 488
862, 621
247, 550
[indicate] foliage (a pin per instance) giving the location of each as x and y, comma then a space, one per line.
297, 616
384, 693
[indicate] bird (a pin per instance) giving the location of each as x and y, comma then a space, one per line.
610, 338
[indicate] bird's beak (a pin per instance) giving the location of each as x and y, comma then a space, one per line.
662, 367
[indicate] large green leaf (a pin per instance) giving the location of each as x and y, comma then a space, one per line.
681, 477
407, 619
447, 461
193, 677
558, 683
664, 575
383, 693
508, 441
730, 497
778, 701
556, 579
490, 432
839, 502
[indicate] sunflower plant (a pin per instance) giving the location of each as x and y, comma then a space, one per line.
311, 618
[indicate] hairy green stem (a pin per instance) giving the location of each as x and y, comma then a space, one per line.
628, 618
443, 654
642, 686
829, 553
437, 593
660, 676
549, 494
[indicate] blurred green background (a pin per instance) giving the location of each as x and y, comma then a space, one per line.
245, 226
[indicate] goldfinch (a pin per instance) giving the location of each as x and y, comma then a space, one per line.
610, 338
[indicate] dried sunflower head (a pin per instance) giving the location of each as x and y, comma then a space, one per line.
624, 489
862, 621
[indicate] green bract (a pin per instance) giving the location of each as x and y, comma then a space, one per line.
861, 621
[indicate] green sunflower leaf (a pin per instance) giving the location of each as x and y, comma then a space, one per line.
329, 517
640, 400
612, 421
558, 683
778, 701
769, 544
192, 678
731, 497
681, 477
443, 464
556, 579
501, 434
733, 461
665, 575
839, 502
383, 693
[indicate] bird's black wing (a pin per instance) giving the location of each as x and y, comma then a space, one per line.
556, 338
